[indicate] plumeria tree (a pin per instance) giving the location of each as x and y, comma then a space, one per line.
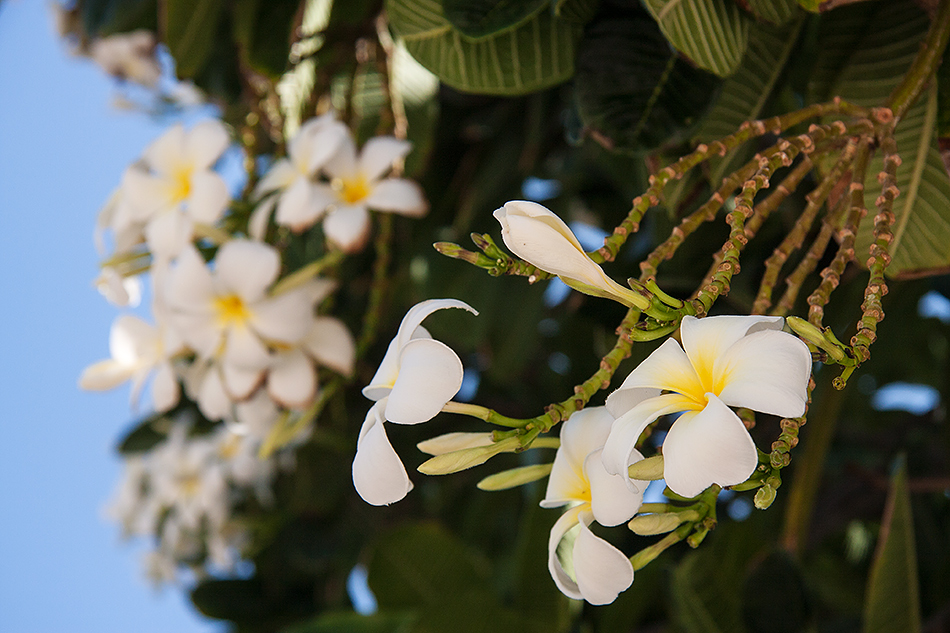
515, 312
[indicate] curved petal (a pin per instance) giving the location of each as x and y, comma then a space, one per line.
280, 176
303, 204
567, 522
165, 390
347, 228
168, 234
209, 197
285, 318
292, 380
667, 368
540, 243
582, 434
343, 163
626, 430
244, 349
205, 143
132, 340
398, 196
707, 339
260, 219
330, 343
319, 144
199, 332
612, 501
602, 570
765, 371
145, 195
430, 374
378, 155
240, 382
705, 448
247, 268
190, 287
104, 375
213, 401
378, 474
167, 150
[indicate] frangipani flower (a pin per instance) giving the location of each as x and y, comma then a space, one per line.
138, 349
590, 568
357, 184
417, 377
535, 234
729, 361
173, 186
129, 56
300, 201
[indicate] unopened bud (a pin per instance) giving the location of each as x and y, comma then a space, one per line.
450, 442
764, 497
456, 461
515, 477
661, 523
816, 336
648, 469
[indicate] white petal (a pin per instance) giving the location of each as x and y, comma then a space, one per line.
378, 155
213, 400
292, 380
583, 433
347, 228
343, 163
240, 382
145, 195
244, 349
285, 318
602, 570
200, 332
209, 197
705, 448
260, 219
766, 371
165, 390
302, 204
280, 176
667, 368
318, 144
568, 521
378, 474
430, 374
398, 196
247, 268
168, 234
330, 343
612, 499
104, 375
205, 143
132, 340
190, 286
167, 150
626, 429
707, 339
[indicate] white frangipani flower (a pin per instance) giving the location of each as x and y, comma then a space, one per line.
357, 184
729, 361
300, 202
417, 377
129, 56
173, 186
138, 349
226, 314
538, 236
590, 568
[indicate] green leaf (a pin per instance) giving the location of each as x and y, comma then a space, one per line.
535, 55
189, 29
633, 92
238, 600
577, 11
810, 5
712, 33
774, 11
943, 96
893, 603
350, 622
262, 30
106, 17
744, 94
478, 19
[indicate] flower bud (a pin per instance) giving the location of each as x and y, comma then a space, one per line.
450, 442
816, 336
514, 477
648, 469
455, 461
651, 524
764, 497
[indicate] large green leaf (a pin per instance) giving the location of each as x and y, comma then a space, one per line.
884, 43
633, 91
262, 29
106, 17
893, 603
350, 622
774, 11
537, 54
744, 94
481, 18
712, 33
190, 27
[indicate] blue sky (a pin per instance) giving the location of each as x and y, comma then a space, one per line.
62, 151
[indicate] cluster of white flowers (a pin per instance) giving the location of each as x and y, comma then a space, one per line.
724, 361
224, 332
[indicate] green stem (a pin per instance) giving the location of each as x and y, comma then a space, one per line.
483, 413
925, 64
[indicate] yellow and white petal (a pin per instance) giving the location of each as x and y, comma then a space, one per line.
104, 375
347, 228
165, 389
285, 318
303, 204
167, 234
583, 433
626, 430
398, 195
602, 570
707, 339
667, 368
209, 197
213, 401
146, 195
205, 143
430, 374
343, 164
562, 570
378, 155
765, 371
708, 447
280, 176
167, 150
292, 380
378, 474
244, 349
330, 343
246, 268
240, 382
612, 500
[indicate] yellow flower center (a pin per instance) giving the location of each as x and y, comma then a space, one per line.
231, 310
352, 190
189, 484
180, 185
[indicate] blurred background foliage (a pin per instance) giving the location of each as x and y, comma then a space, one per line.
576, 103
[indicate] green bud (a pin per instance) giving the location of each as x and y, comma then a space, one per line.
651, 524
450, 442
515, 477
697, 537
466, 458
764, 497
817, 337
647, 469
